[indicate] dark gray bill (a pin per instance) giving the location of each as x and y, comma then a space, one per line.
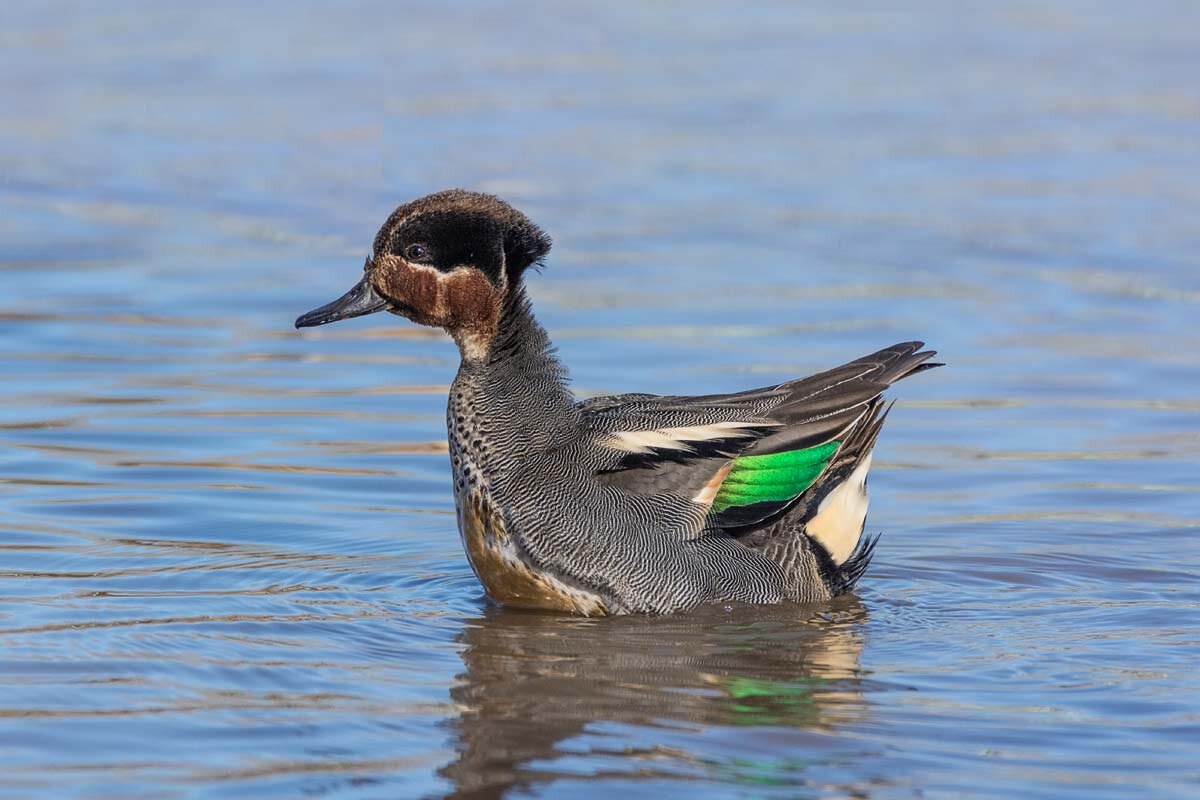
360, 300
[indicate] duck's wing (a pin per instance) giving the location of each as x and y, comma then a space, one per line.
636, 431
747, 457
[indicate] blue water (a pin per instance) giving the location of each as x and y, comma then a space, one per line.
228, 557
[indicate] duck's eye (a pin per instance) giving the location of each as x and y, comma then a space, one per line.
415, 252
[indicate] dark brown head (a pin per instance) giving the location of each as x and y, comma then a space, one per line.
447, 260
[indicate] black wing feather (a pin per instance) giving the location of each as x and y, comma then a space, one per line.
791, 416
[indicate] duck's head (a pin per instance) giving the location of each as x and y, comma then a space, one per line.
448, 260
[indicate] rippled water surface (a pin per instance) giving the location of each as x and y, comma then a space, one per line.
228, 557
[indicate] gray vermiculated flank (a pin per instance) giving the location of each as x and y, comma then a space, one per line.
518, 437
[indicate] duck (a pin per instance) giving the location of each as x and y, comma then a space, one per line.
629, 503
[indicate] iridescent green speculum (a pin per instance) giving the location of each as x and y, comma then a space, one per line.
774, 477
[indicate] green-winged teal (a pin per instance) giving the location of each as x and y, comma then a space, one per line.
628, 503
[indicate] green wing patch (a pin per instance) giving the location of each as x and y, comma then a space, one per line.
772, 478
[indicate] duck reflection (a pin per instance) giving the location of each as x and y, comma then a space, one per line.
533, 680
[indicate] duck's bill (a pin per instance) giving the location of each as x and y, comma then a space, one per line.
361, 300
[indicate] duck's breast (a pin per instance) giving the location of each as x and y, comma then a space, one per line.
503, 569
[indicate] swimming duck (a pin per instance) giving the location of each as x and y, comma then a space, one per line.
628, 503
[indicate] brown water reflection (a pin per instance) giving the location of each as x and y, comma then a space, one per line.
533, 681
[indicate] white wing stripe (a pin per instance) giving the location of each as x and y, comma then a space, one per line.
678, 438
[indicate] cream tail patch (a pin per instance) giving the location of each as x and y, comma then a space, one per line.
839, 520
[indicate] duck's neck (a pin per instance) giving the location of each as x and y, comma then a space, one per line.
515, 396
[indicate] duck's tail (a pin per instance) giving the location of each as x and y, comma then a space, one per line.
823, 527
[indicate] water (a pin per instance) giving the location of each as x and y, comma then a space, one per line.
229, 562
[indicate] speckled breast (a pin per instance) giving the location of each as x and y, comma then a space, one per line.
506, 576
